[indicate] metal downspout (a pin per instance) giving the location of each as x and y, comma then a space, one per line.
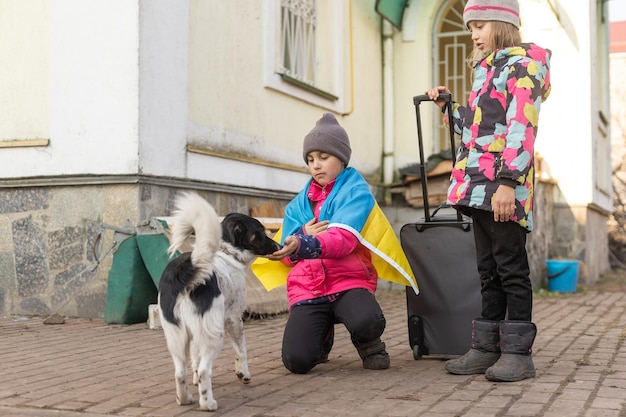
388, 109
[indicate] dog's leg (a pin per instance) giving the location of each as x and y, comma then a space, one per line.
195, 359
234, 329
183, 396
208, 353
178, 345
209, 340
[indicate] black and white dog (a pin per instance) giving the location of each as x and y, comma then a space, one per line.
202, 293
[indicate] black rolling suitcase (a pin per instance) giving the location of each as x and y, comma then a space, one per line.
441, 251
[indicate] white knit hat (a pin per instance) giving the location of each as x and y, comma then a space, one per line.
490, 10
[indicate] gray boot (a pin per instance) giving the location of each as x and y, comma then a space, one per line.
516, 362
485, 350
374, 355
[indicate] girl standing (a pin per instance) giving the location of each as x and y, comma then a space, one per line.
492, 181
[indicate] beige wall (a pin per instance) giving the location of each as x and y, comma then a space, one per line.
231, 110
24, 79
412, 76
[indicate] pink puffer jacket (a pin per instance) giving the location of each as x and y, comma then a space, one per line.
344, 263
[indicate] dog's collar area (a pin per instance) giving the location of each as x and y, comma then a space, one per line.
230, 250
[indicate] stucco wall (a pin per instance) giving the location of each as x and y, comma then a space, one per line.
201, 66
86, 88
24, 102
231, 110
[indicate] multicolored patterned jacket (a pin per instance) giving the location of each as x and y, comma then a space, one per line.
498, 129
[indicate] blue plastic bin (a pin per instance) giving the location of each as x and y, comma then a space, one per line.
562, 275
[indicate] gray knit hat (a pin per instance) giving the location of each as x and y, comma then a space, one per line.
489, 10
329, 137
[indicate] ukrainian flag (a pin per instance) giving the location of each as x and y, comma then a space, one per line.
350, 206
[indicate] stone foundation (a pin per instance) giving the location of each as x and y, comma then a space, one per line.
50, 236
56, 245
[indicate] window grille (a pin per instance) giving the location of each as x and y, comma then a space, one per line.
298, 25
307, 51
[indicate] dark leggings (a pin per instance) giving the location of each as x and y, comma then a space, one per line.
503, 267
309, 326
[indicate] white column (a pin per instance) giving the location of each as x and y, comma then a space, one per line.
163, 86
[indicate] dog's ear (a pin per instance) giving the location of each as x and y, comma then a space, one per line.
239, 230
227, 230
233, 229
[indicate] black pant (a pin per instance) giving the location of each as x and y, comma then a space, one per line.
309, 326
503, 267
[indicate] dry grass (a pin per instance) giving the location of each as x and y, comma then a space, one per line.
614, 280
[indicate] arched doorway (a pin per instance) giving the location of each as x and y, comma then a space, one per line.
451, 47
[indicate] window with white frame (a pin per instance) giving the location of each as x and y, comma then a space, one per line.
306, 49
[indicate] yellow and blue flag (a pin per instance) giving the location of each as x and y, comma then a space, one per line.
352, 207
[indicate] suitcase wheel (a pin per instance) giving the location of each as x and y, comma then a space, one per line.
417, 354
416, 337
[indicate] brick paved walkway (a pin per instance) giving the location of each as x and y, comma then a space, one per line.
85, 368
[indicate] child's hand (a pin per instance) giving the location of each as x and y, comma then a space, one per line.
433, 93
290, 246
503, 203
312, 228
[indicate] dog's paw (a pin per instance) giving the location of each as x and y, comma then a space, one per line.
210, 405
243, 378
185, 401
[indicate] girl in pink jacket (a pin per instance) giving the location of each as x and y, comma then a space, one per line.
332, 278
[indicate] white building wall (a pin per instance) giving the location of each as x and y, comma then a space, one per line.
89, 81
164, 87
413, 74
125, 86
93, 88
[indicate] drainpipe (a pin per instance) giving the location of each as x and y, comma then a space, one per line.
388, 112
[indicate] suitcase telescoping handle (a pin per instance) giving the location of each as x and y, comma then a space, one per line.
417, 100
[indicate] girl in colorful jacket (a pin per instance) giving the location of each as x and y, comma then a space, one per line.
332, 278
492, 182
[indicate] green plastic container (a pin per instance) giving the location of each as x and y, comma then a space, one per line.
130, 288
153, 244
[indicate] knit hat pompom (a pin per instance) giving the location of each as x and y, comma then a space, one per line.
490, 10
329, 137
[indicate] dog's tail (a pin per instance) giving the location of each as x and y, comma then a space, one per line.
194, 214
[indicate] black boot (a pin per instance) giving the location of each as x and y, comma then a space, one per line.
374, 355
516, 362
485, 350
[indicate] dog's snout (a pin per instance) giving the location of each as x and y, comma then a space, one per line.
271, 246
